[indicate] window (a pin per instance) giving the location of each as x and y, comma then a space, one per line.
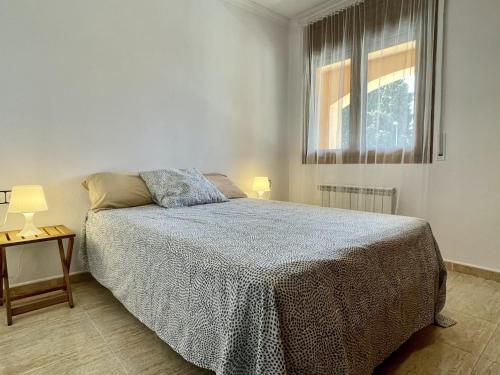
334, 104
370, 107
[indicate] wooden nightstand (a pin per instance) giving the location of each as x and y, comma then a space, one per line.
53, 233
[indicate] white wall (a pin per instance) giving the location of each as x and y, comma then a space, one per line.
99, 85
465, 195
460, 196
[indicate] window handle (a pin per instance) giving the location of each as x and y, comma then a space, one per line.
442, 147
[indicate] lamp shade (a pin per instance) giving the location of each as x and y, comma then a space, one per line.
27, 199
261, 184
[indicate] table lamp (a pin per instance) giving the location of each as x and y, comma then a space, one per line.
27, 200
261, 185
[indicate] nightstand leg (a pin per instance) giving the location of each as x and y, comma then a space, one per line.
8, 307
65, 263
1, 279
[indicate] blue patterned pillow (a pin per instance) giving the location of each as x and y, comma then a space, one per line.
181, 187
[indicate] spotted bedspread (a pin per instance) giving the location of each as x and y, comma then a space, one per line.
264, 287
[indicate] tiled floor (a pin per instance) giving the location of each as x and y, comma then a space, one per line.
99, 336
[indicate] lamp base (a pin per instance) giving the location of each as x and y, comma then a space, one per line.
30, 228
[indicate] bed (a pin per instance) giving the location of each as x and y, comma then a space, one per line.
266, 287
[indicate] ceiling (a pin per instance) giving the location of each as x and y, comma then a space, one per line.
289, 8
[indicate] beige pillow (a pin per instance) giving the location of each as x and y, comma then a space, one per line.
114, 190
225, 185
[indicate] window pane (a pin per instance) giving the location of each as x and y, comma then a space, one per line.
391, 99
333, 84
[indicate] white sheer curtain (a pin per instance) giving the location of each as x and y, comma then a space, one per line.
369, 73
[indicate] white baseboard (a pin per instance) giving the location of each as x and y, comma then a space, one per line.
470, 269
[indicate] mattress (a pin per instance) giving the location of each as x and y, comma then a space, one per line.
266, 287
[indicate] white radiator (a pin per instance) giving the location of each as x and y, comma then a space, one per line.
371, 199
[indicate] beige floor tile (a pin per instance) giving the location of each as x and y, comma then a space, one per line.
424, 355
139, 349
44, 337
470, 333
451, 280
492, 351
486, 367
83, 362
475, 296
91, 294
